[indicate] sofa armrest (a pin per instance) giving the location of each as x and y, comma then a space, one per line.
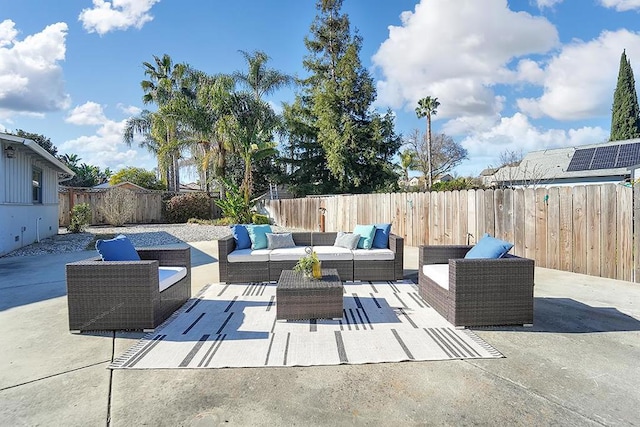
226, 245
396, 244
491, 276
98, 277
440, 254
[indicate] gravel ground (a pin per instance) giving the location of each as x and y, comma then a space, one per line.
140, 235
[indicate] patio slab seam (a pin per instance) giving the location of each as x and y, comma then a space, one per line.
533, 393
56, 375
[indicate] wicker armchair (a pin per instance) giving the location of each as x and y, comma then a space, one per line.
123, 295
481, 292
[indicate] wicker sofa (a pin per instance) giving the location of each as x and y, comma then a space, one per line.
264, 265
476, 292
122, 295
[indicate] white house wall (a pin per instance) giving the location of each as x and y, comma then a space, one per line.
18, 179
23, 222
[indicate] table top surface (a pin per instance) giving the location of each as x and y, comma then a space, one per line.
290, 279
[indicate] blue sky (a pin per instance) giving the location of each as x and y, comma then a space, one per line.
510, 75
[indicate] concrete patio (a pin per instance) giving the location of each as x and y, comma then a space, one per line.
578, 365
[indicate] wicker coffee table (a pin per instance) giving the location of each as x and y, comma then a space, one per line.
298, 297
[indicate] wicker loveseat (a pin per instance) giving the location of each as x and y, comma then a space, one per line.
121, 295
266, 265
476, 292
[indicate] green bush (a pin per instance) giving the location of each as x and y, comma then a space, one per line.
181, 208
233, 205
259, 219
456, 184
80, 218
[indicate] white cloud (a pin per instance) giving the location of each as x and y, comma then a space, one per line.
517, 133
455, 51
114, 15
129, 110
621, 5
105, 148
547, 3
31, 78
579, 81
530, 71
89, 113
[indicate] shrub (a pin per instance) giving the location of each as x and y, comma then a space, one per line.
182, 207
119, 206
233, 205
259, 219
80, 218
456, 184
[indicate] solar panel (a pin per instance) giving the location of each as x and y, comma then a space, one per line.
605, 157
581, 160
629, 155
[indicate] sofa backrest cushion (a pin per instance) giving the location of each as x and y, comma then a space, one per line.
258, 235
347, 240
366, 233
279, 240
119, 248
489, 247
381, 237
241, 236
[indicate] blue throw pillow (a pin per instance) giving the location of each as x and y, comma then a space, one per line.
241, 236
489, 247
258, 235
381, 238
366, 233
119, 248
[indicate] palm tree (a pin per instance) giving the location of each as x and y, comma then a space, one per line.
252, 121
166, 89
407, 162
210, 143
143, 125
250, 124
259, 79
427, 107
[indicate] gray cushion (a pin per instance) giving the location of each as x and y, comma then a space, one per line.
347, 240
279, 240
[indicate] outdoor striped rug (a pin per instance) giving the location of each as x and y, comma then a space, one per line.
235, 326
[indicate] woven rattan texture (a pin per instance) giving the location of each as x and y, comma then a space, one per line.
240, 272
298, 297
482, 292
124, 295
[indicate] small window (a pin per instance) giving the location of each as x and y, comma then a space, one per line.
37, 185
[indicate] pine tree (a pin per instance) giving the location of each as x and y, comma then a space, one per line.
336, 142
625, 117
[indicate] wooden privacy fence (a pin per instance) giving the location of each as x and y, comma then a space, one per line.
583, 229
148, 205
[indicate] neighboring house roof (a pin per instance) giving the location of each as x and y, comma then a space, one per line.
126, 184
191, 186
445, 178
19, 142
553, 165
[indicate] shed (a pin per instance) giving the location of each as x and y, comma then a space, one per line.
28, 193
